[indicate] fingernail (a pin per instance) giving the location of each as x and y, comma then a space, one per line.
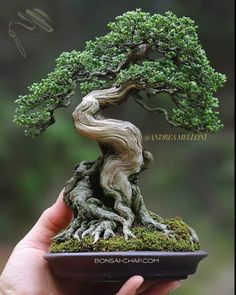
175, 286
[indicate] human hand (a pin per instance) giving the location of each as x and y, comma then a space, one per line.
135, 286
27, 272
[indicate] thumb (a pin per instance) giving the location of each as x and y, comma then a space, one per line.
49, 224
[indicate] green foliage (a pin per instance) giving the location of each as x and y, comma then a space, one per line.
146, 240
179, 66
35, 110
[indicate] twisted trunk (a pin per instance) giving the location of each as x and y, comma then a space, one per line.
104, 194
120, 141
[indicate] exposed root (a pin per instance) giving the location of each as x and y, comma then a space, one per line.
103, 227
193, 235
127, 233
80, 230
143, 214
68, 232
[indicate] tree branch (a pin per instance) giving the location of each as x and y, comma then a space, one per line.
159, 110
140, 51
172, 92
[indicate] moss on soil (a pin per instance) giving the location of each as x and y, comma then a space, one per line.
146, 239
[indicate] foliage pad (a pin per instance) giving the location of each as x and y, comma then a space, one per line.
162, 53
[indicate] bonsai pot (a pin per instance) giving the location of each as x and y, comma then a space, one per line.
119, 266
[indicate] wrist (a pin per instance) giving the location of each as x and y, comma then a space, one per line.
4, 289
2, 292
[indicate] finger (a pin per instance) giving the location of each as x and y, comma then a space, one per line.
145, 285
130, 287
104, 288
49, 224
162, 288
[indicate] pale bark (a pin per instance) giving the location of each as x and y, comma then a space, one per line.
122, 139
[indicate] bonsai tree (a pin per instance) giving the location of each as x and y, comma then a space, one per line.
142, 55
